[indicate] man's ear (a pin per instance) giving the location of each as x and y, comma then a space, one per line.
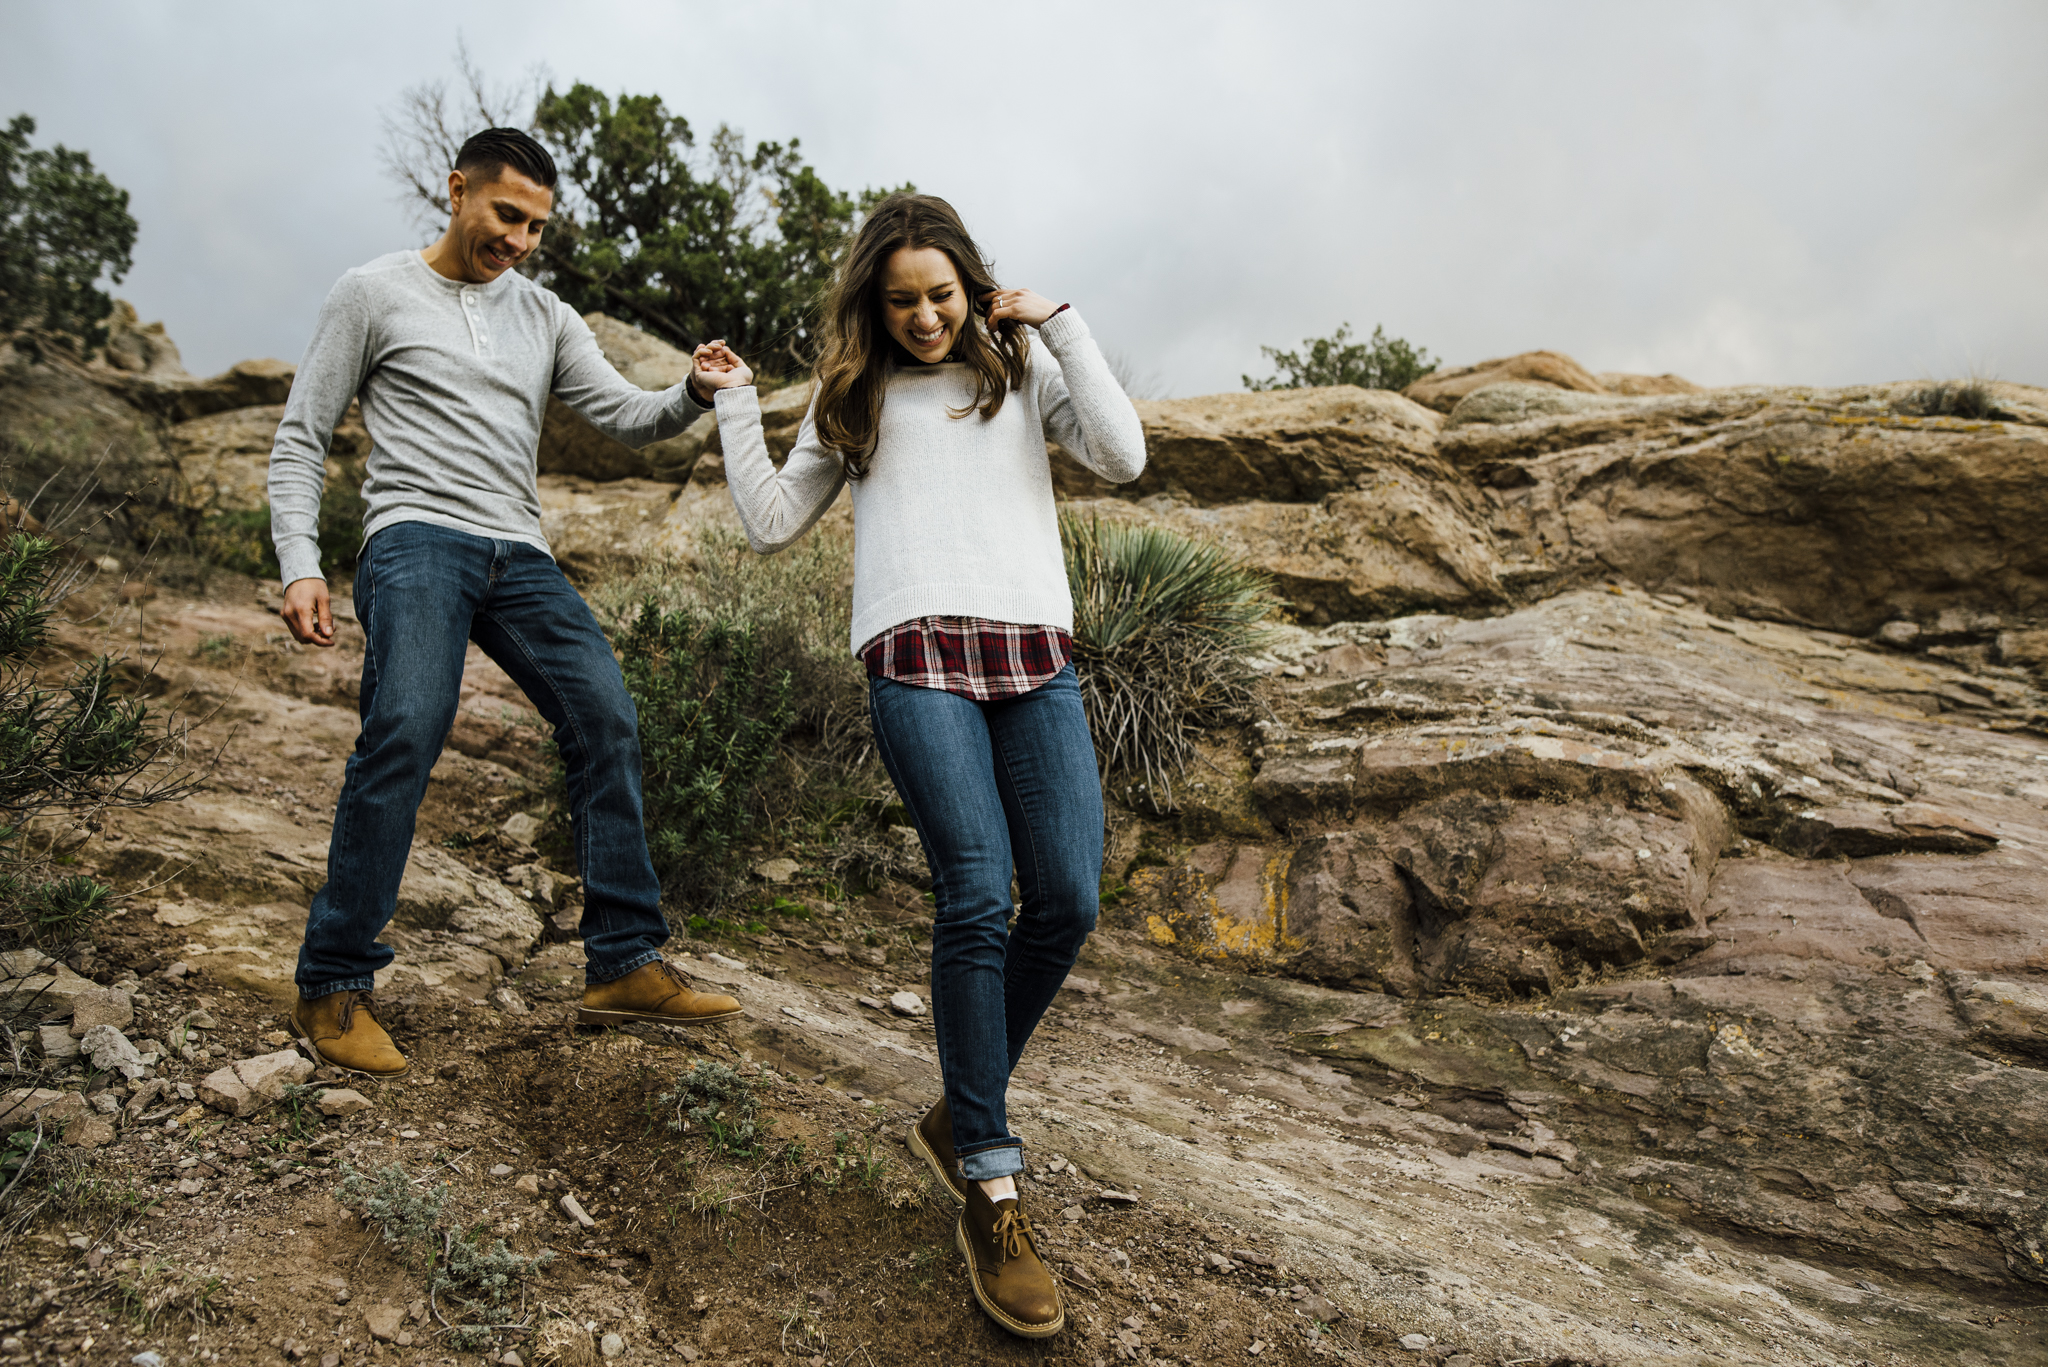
457, 183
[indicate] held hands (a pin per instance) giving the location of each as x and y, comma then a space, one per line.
308, 613
715, 366
1023, 305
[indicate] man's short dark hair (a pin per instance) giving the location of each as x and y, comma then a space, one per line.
484, 157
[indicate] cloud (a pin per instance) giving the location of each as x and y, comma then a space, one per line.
1824, 193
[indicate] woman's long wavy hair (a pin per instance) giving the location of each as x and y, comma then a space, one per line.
858, 354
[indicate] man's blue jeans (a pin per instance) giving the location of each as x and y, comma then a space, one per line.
422, 594
992, 786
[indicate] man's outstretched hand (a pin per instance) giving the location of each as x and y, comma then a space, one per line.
308, 613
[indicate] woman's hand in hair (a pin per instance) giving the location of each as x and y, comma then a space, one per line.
1022, 305
715, 366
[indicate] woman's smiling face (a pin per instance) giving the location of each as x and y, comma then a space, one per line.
924, 306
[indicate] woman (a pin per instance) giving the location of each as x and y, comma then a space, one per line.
939, 420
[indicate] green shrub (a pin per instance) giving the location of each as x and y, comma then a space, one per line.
1969, 399
67, 755
1162, 626
825, 782
1382, 363
711, 717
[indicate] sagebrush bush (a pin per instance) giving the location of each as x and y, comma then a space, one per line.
476, 1277
67, 755
1163, 626
713, 1099
712, 715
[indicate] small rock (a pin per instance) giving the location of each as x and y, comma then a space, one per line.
511, 1359
512, 1004
109, 1050
572, 1208
776, 870
57, 1044
1121, 1198
906, 1004
330, 1360
529, 1184
343, 1101
404, 1339
871, 1003
267, 1075
723, 962
689, 1354
1415, 1343
148, 1359
200, 1020
501, 1169
1461, 1360
520, 829
101, 1006
384, 1322
191, 1187
1072, 1213
611, 1345
408, 1134
1320, 1308
224, 1091
89, 1132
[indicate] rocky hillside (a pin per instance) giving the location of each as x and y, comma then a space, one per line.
1621, 939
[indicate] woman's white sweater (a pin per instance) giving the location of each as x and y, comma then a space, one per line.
955, 516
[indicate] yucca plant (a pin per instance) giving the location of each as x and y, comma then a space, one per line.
1162, 628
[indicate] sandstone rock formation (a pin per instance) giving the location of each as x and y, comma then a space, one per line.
1647, 835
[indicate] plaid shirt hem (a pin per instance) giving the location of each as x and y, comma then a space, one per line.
971, 656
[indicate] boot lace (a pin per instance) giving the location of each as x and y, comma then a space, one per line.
352, 1000
1014, 1235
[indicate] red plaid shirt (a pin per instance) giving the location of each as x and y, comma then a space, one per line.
971, 656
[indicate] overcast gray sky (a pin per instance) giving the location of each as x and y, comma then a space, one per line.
1785, 192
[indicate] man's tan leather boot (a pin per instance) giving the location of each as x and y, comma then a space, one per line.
932, 1140
342, 1031
657, 992
1010, 1281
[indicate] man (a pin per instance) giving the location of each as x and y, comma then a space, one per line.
454, 354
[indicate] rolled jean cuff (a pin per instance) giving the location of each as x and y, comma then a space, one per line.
315, 993
1005, 1159
593, 976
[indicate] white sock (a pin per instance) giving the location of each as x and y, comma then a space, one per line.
1002, 1188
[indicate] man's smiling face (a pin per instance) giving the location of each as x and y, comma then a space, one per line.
497, 224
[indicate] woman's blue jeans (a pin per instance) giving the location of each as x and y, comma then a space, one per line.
422, 594
993, 786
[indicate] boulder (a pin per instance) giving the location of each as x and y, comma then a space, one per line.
1411, 543
1620, 382
1283, 445
2011, 1015
1519, 402
1441, 389
222, 460
176, 399
139, 347
440, 893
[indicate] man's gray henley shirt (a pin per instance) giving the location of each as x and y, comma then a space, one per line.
454, 380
